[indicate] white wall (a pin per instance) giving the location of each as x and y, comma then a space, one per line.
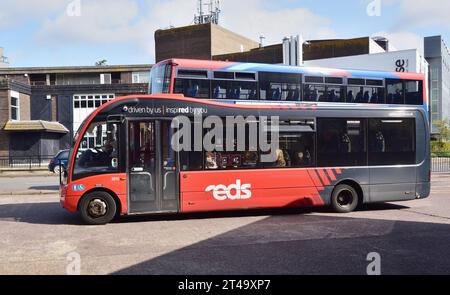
409, 60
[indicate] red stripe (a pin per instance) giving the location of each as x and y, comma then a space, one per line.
315, 179
331, 174
323, 176
338, 171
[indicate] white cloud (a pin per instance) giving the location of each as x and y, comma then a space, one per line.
133, 22
124, 21
424, 13
14, 12
251, 19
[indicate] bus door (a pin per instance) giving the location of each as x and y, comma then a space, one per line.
152, 169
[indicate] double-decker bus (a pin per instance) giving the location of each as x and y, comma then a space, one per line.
333, 155
242, 82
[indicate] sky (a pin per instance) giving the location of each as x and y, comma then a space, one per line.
81, 32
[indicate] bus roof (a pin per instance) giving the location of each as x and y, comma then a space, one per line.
259, 67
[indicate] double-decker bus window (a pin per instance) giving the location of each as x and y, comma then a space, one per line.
314, 92
395, 93
353, 92
242, 90
341, 142
98, 152
280, 86
414, 92
335, 94
196, 88
392, 142
160, 77
375, 94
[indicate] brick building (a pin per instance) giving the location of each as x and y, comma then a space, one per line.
41, 108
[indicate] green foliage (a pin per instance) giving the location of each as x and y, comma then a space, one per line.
101, 63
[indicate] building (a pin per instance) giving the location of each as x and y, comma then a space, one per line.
41, 108
438, 56
202, 41
311, 50
3, 59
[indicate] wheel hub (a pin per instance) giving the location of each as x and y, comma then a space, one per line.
345, 199
97, 208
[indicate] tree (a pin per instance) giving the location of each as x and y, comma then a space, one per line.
101, 63
444, 131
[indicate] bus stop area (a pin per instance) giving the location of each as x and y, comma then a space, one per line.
39, 237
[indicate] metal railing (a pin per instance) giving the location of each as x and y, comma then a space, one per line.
440, 162
25, 162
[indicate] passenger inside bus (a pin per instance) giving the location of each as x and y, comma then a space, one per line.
211, 161
350, 96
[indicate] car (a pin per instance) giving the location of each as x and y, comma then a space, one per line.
59, 162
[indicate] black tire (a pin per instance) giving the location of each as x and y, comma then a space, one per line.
98, 208
344, 199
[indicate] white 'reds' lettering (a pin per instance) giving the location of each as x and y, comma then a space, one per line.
236, 191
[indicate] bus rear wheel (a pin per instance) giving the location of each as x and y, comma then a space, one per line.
98, 208
344, 199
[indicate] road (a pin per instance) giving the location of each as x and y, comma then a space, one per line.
37, 237
29, 183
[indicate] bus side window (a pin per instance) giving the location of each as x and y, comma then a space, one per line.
413, 92
392, 142
395, 93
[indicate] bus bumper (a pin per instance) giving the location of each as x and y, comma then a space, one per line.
423, 190
66, 201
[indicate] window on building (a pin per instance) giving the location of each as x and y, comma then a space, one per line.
392, 142
15, 108
197, 88
314, 92
341, 142
280, 86
141, 77
414, 92
395, 94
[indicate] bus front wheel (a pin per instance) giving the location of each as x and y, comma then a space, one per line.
344, 199
97, 208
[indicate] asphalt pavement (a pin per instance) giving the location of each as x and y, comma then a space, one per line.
38, 237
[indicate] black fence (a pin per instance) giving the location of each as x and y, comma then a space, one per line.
29, 163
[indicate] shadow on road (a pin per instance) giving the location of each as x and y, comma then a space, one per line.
310, 244
38, 213
52, 213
